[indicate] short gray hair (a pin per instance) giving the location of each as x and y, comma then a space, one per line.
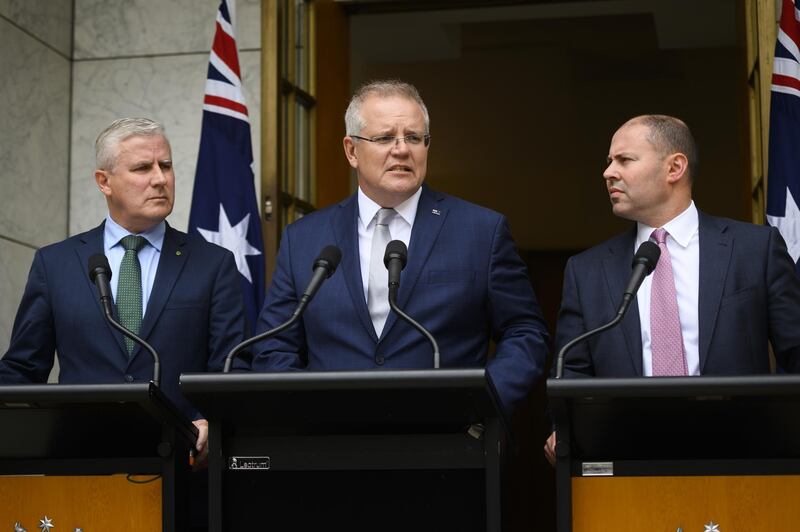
106, 147
354, 122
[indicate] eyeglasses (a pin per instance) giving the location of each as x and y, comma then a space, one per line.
413, 139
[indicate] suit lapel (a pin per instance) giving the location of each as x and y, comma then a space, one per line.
431, 214
93, 243
345, 228
716, 246
174, 254
616, 268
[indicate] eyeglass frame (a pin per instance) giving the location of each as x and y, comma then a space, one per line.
426, 139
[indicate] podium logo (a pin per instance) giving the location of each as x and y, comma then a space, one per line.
249, 463
711, 527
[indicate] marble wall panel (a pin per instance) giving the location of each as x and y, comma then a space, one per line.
34, 139
15, 263
168, 89
118, 28
48, 20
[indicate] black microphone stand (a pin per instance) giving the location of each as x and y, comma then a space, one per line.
393, 304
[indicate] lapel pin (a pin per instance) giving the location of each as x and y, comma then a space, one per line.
437, 212
178, 253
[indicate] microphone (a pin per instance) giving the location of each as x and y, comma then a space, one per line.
395, 259
644, 262
324, 266
100, 274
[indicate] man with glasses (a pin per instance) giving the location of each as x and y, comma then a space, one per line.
464, 280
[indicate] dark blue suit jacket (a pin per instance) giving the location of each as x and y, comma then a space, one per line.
464, 282
749, 294
193, 318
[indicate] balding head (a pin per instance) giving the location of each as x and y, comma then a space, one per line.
670, 135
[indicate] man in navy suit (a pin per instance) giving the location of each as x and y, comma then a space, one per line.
464, 280
190, 295
735, 289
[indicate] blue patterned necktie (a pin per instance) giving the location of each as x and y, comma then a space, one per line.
129, 288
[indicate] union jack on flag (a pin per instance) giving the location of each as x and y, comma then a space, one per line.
783, 181
224, 207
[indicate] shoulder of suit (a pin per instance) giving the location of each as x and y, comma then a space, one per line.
616, 244
457, 205
71, 242
735, 227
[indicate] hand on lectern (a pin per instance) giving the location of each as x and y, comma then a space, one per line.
550, 449
199, 455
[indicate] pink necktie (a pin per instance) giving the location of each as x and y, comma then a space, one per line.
666, 338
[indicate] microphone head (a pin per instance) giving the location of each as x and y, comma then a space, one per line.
647, 255
98, 263
396, 249
328, 258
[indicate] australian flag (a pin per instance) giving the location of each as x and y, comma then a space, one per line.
224, 208
784, 133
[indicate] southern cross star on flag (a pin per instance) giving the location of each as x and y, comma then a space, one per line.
224, 207
783, 182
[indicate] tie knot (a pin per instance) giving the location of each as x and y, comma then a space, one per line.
133, 242
660, 235
383, 216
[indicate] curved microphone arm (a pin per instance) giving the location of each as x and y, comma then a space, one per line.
623, 308
420, 328
263, 336
130, 334
324, 266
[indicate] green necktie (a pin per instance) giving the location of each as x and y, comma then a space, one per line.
129, 288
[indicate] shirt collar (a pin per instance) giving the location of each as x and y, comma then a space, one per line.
681, 228
113, 233
368, 208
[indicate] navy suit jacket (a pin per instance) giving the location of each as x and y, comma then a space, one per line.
464, 282
749, 294
193, 318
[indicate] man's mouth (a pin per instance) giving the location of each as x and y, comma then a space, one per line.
399, 168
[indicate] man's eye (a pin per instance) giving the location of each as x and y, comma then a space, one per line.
384, 139
413, 139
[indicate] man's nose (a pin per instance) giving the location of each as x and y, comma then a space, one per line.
159, 176
400, 145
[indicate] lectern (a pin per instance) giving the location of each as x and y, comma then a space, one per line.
270, 431
89, 440
677, 453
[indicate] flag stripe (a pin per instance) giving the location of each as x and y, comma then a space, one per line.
226, 103
224, 206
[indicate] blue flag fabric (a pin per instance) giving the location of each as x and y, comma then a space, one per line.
783, 181
224, 207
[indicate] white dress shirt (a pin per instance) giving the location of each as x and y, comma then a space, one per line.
683, 243
113, 233
399, 227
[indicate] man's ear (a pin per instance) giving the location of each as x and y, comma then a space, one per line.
350, 151
677, 167
101, 178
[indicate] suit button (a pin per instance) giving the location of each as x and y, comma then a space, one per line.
129, 378
379, 360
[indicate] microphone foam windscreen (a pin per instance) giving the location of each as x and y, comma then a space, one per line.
330, 254
98, 263
647, 254
395, 249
